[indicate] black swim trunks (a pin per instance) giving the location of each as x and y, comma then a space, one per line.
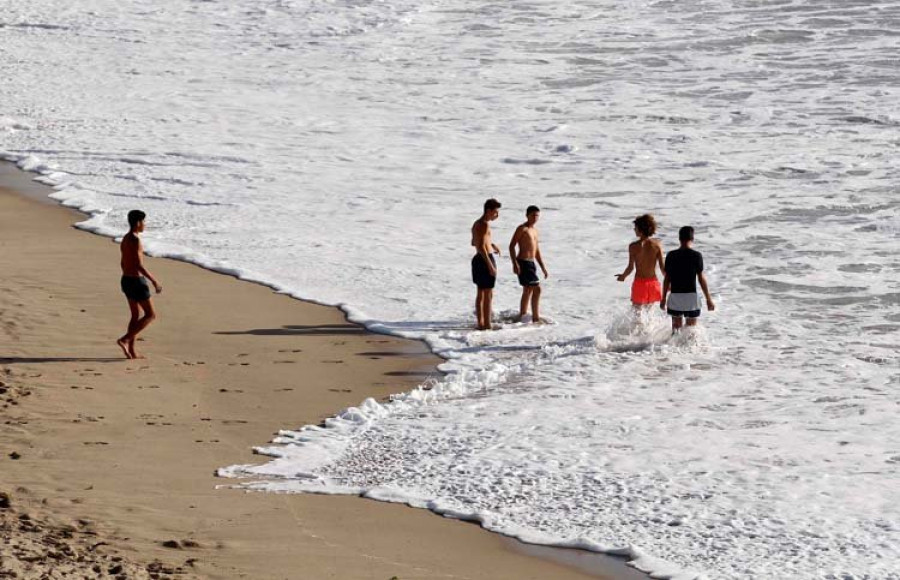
481, 275
136, 288
528, 275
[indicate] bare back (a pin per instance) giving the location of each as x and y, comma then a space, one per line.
646, 254
131, 255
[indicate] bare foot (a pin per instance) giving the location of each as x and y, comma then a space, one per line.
124, 346
133, 352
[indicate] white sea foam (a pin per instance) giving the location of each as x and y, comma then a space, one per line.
340, 150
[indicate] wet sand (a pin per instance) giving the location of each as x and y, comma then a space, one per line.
115, 458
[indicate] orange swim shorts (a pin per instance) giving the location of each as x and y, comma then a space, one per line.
645, 291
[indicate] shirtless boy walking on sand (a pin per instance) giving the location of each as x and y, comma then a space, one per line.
684, 268
134, 284
526, 261
643, 255
484, 267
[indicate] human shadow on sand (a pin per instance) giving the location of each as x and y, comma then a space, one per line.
51, 359
421, 374
301, 330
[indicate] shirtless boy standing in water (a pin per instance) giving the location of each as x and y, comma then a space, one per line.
644, 254
526, 261
484, 267
134, 284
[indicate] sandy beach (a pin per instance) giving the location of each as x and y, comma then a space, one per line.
112, 460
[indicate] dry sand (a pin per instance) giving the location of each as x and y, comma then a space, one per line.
112, 461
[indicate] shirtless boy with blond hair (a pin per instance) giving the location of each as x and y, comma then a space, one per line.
526, 261
643, 256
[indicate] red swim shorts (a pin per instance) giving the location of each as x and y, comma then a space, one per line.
645, 291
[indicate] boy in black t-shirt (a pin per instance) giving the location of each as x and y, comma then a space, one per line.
684, 267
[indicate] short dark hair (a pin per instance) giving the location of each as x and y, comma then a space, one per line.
134, 217
491, 204
646, 224
532, 209
686, 234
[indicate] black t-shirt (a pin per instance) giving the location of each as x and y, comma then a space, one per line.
682, 267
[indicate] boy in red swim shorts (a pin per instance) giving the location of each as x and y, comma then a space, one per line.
643, 256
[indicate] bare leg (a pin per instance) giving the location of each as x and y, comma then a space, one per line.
523, 304
124, 341
676, 323
692, 321
535, 304
140, 325
486, 305
479, 308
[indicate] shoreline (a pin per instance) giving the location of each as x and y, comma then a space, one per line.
409, 364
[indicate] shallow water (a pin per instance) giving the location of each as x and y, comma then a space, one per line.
340, 150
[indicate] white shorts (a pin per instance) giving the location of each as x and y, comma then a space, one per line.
687, 302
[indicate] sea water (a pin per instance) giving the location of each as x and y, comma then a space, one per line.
339, 150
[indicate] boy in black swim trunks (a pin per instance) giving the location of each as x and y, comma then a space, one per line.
484, 268
526, 261
684, 268
134, 284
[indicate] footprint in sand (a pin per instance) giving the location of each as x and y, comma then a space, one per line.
284, 389
87, 418
333, 361
284, 362
183, 544
234, 422
341, 390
